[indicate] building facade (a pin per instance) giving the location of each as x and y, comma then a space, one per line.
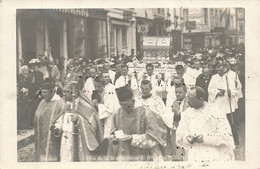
122, 31
66, 32
212, 27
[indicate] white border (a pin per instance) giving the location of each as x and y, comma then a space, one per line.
8, 142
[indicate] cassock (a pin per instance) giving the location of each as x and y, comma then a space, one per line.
89, 87
90, 133
222, 103
148, 131
217, 145
108, 104
47, 145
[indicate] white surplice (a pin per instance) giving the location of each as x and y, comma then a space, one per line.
157, 89
108, 108
217, 145
234, 78
124, 80
171, 96
89, 87
222, 102
155, 104
112, 75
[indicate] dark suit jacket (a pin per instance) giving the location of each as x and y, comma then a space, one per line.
203, 83
176, 105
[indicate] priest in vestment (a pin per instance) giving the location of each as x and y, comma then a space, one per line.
88, 128
203, 131
137, 133
47, 141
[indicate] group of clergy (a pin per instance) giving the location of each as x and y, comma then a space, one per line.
122, 116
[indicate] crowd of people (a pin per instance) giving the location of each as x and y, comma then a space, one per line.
102, 110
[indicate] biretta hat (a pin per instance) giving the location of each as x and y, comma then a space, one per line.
124, 93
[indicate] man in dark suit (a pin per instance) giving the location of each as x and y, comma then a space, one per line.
178, 107
203, 81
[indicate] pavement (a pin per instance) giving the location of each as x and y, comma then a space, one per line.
25, 145
24, 138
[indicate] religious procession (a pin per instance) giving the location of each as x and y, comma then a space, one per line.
178, 105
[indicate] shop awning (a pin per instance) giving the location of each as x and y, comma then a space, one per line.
78, 12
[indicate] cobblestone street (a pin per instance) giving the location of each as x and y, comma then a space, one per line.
26, 154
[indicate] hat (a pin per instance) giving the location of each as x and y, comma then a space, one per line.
47, 84
124, 93
35, 62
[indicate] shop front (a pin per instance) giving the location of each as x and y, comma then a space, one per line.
67, 33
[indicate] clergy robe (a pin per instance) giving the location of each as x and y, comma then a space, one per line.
47, 145
89, 127
130, 82
170, 88
157, 88
190, 77
222, 102
148, 131
153, 103
89, 87
234, 79
107, 106
217, 145
112, 75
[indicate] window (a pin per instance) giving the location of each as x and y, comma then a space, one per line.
186, 15
240, 14
124, 37
205, 15
102, 38
112, 36
241, 26
216, 12
112, 40
159, 10
163, 11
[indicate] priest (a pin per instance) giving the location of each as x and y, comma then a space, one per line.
47, 138
137, 134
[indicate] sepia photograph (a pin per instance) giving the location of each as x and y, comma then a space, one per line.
131, 84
